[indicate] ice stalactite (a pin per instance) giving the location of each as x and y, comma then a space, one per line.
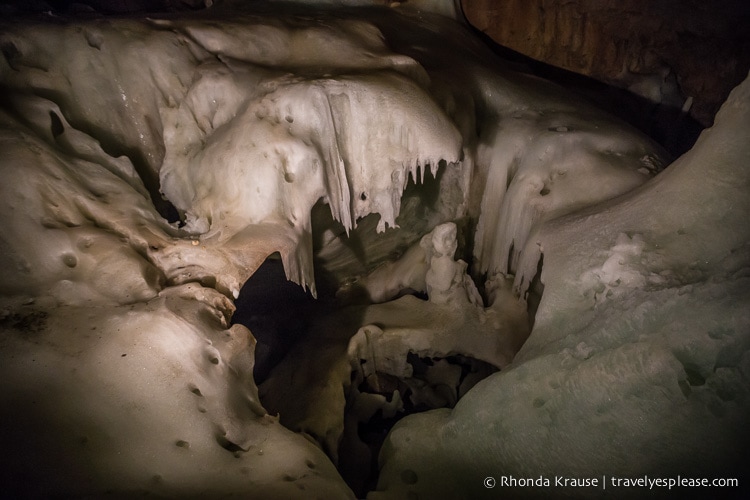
542, 166
273, 148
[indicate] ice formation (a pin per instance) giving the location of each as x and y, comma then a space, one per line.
379, 149
638, 361
355, 371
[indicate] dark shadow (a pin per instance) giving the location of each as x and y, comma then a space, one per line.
86, 8
373, 433
535, 292
277, 312
363, 249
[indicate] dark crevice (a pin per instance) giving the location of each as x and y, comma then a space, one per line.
276, 311
56, 125
372, 433
535, 292
694, 377
228, 445
280, 314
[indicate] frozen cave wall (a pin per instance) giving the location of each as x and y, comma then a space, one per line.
425, 190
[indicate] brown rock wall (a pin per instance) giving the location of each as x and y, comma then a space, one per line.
665, 50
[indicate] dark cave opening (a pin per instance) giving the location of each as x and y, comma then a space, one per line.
284, 317
264, 305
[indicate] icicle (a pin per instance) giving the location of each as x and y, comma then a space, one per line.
337, 184
527, 267
297, 262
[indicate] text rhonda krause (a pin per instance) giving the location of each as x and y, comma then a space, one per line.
616, 482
